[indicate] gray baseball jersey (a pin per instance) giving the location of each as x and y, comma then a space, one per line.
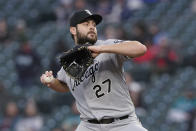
102, 91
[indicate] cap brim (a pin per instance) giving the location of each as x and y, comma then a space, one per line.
97, 18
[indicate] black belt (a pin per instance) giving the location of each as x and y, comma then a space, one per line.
107, 121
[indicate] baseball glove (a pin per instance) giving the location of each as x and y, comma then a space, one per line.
76, 61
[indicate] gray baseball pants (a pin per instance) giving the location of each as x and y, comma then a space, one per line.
120, 125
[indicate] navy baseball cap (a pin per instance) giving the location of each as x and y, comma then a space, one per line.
80, 16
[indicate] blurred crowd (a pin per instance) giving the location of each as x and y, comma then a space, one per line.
164, 55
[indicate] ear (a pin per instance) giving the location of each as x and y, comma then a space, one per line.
73, 30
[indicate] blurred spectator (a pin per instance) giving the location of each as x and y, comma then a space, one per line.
27, 64
4, 32
32, 121
136, 89
183, 107
20, 30
162, 57
10, 117
165, 58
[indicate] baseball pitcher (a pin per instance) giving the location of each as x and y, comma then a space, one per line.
101, 94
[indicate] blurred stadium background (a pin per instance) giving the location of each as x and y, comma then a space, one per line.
162, 82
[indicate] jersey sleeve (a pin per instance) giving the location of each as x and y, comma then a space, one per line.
121, 58
61, 75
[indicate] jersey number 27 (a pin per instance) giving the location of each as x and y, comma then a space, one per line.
98, 88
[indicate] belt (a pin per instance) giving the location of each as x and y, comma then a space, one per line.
107, 121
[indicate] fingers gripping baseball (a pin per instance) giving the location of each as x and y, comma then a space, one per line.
47, 78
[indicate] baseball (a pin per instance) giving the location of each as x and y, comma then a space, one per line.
48, 79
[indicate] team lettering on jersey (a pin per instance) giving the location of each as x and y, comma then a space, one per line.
89, 73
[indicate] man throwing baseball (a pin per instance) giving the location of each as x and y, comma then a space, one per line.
101, 94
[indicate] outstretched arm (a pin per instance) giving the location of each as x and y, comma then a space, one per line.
54, 84
127, 48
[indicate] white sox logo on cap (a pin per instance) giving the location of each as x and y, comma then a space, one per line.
87, 11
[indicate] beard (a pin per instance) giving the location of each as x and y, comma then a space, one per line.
82, 39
